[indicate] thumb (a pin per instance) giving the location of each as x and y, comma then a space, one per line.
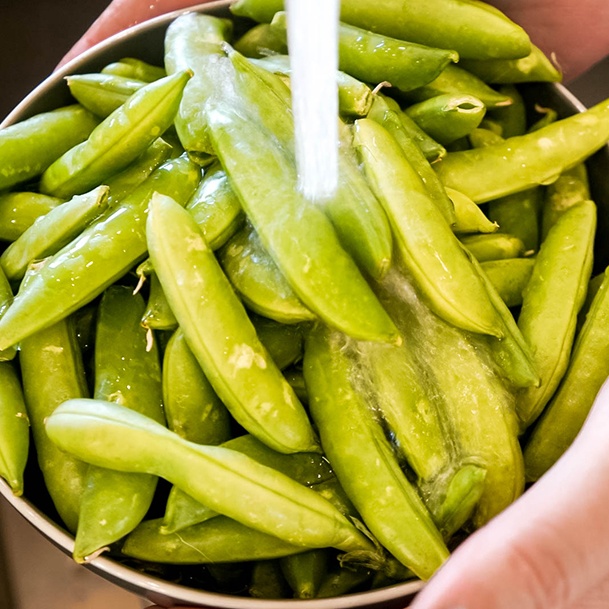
547, 549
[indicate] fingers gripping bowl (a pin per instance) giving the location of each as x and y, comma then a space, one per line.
415, 315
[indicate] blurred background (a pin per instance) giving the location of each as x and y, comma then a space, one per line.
34, 36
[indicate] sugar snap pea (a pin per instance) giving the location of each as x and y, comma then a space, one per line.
305, 572
510, 277
236, 363
469, 217
158, 314
133, 67
20, 209
118, 140
493, 246
6, 298
512, 119
267, 580
227, 481
261, 41
105, 251
284, 342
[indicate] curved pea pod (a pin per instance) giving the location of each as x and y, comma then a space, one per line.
524, 161
118, 140
426, 242
305, 572
192, 42
483, 136
220, 334
221, 540
28, 148
535, 67
215, 207
133, 67
493, 246
128, 373
157, 314
566, 412
571, 187
457, 81
489, 32
284, 342
19, 210
469, 217
14, 429
470, 393
551, 302
52, 371
297, 234
101, 93
261, 41
51, 232
548, 116
192, 408
447, 117
227, 481
510, 277
105, 251
389, 506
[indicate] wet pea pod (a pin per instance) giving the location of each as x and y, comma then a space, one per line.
52, 371
489, 32
305, 572
389, 505
118, 140
235, 361
469, 217
20, 209
133, 67
157, 314
566, 412
261, 41
259, 281
29, 147
6, 299
510, 277
493, 246
104, 252
227, 481
426, 242
511, 120
556, 291
14, 429
528, 160
49, 233
284, 342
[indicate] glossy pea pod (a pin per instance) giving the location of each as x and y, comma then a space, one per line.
489, 32
220, 333
29, 147
103, 253
493, 246
284, 342
425, 241
49, 233
52, 372
133, 67
556, 291
566, 412
118, 140
157, 314
297, 234
262, 40
128, 373
469, 217
511, 120
20, 209
305, 572
525, 161
225, 480
389, 506
6, 298
510, 277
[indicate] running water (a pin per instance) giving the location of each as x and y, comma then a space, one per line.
313, 47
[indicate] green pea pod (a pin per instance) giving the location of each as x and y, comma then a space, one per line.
227, 481
296, 233
220, 334
482, 136
132, 67
220, 540
551, 302
258, 280
511, 119
548, 116
127, 371
6, 299
389, 506
267, 580
510, 277
527, 160
439, 23
54, 230
118, 140
262, 41
19, 210
426, 242
100, 93
447, 117
535, 67
343, 580
14, 429
192, 408
305, 572
192, 42
566, 412
52, 371
105, 251
284, 342
29, 147
215, 207
457, 81
493, 246
158, 314
294, 376
469, 217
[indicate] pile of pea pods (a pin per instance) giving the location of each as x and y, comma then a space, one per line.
247, 392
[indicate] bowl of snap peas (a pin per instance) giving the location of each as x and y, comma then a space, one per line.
215, 393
